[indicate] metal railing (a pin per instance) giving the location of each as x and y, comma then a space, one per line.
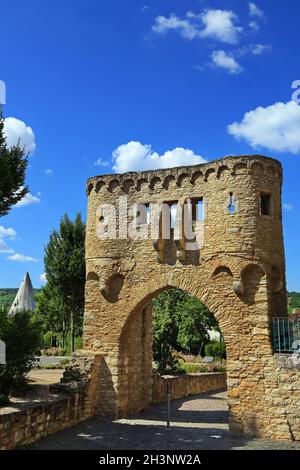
286, 335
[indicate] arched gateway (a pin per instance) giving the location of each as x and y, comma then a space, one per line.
237, 268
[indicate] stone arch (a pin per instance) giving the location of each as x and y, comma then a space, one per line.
208, 173
196, 176
99, 185
112, 287
113, 185
127, 185
257, 169
135, 341
168, 181
222, 170
140, 183
182, 178
239, 169
253, 276
89, 188
155, 181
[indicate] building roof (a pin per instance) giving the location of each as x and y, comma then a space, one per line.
24, 299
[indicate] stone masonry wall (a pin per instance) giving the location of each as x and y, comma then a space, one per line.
186, 385
28, 425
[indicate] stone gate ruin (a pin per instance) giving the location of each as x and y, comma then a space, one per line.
238, 271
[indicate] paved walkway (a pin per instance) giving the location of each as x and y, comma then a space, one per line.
198, 423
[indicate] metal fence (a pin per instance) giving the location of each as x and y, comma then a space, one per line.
286, 335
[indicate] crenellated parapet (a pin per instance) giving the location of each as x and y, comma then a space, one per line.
181, 176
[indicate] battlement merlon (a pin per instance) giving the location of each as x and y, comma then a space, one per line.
231, 163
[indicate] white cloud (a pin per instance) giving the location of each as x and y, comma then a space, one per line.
254, 25
255, 11
275, 127
258, 49
22, 258
214, 24
101, 162
15, 130
7, 232
29, 199
184, 27
288, 207
220, 24
49, 172
43, 278
225, 61
135, 156
4, 248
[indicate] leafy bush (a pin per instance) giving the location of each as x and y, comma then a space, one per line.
215, 350
22, 336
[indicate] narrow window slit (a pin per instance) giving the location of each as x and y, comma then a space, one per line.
232, 207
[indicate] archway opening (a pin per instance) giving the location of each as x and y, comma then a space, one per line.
172, 333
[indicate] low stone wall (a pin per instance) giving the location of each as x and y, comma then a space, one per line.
186, 385
24, 426
74, 399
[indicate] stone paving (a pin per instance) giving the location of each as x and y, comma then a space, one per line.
198, 422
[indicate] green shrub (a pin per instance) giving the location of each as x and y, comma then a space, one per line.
22, 336
215, 350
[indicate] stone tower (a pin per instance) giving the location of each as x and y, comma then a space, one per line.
237, 270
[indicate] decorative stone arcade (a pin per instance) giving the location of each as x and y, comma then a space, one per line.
238, 271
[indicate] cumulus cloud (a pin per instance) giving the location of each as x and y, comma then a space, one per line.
255, 11
226, 61
101, 162
4, 248
15, 131
7, 232
184, 27
49, 172
43, 278
274, 127
214, 24
135, 156
22, 258
258, 49
29, 199
220, 24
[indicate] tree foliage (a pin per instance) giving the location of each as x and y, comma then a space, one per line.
62, 299
180, 323
22, 335
13, 165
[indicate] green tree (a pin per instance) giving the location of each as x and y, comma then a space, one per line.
180, 323
164, 328
65, 271
53, 312
22, 336
13, 165
193, 321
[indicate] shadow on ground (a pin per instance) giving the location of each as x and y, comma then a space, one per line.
198, 423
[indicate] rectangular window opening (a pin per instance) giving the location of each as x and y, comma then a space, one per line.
265, 204
198, 209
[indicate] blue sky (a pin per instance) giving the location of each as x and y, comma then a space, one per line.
134, 84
